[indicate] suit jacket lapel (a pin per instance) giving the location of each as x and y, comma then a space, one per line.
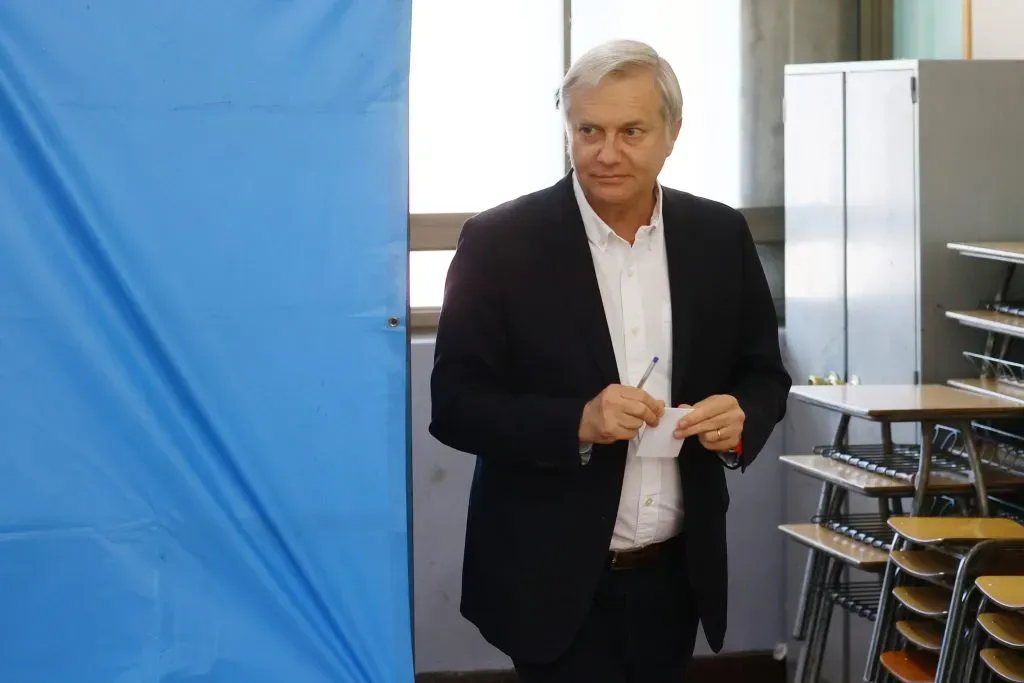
683, 282
579, 283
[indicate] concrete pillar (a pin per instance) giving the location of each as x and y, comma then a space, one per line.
776, 33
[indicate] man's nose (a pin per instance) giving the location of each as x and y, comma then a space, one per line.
609, 151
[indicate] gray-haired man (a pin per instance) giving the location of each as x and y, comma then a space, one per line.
584, 562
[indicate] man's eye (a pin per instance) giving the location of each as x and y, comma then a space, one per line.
632, 132
586, 130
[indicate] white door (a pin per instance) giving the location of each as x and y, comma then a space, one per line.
815, 332
881, 239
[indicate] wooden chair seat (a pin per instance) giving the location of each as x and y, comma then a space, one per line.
938, 530
925, 564
928, 601
926, 635
1005, 591
1006, 664
911, 666
1005, 628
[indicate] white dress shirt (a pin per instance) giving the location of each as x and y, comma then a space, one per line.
634, 288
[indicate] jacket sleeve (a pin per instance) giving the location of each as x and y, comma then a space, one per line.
760, 381
474, 407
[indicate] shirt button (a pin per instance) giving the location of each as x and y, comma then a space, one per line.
649, 502
630, 271
635, 330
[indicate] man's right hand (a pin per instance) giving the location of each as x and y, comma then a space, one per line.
617, 413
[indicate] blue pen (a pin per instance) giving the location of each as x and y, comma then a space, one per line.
640, 385
647, 373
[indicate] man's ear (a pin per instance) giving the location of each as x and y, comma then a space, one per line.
673, 135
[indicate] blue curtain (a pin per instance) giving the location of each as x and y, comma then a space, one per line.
203, 428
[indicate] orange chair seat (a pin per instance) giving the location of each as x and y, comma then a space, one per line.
911, 666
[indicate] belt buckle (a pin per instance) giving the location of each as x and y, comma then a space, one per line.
615, 559
621, 559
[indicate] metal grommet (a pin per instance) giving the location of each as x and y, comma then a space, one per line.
393, 321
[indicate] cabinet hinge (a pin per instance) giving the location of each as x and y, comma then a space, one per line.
917, 378
783, 108
913, 89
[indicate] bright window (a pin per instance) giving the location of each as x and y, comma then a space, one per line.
427, 273
483, 128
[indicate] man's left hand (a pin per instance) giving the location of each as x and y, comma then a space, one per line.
717, 421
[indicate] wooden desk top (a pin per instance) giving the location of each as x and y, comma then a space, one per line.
992, 321
843, 548
867, 483
1012, 252
850, 477
990, 387
907, 402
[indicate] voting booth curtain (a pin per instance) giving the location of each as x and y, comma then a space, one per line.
203, 358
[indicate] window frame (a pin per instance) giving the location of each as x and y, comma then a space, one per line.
432, 232
440, 231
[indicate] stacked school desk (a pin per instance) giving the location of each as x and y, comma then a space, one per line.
946, 469
947, 606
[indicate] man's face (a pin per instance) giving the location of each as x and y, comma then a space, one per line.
618, 138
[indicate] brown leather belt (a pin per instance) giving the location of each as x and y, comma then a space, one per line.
640, 557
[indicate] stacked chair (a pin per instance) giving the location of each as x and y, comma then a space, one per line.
928, 627
947, 598
950, 475
1001, 620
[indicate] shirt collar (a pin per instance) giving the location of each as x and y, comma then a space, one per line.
599, 232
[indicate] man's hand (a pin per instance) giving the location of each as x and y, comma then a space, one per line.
717, 420
617, 413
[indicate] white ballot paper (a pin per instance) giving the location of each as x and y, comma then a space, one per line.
660, 441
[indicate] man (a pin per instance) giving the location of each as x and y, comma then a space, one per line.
584, 562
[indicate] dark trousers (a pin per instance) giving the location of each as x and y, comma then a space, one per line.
641, 629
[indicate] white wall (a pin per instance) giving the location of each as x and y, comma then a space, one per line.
997, 29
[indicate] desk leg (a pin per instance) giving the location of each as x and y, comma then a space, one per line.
887, 451
813, 568
974, 456
823, 621
923, 468
809, 634
828, 504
